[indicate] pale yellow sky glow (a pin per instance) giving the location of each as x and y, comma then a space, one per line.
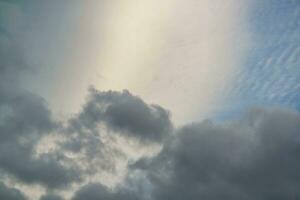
179, 54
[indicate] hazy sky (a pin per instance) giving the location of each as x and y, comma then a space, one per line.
149, 99
177, 51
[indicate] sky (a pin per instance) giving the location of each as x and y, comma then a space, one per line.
149, 100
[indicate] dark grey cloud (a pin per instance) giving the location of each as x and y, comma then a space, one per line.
125, 113
97, 191
24, 120
51, 197
120, 113
7, 193
254, 158
116, 114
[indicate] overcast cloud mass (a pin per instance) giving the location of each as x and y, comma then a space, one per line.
117, 145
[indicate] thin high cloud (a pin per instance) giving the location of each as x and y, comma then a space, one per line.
270, 73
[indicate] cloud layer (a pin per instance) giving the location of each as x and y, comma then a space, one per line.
10, 193
254, 157
120, 147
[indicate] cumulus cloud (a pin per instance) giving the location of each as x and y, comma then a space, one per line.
254, 158
95, 191
10, 193
24, 120
109, 120
51, 197
124, 113
104, 135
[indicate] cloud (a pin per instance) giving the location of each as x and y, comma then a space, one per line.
254, 158
24, 120
270, 75
123, 113
10, 193
51, 197
95, 191
104, 135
